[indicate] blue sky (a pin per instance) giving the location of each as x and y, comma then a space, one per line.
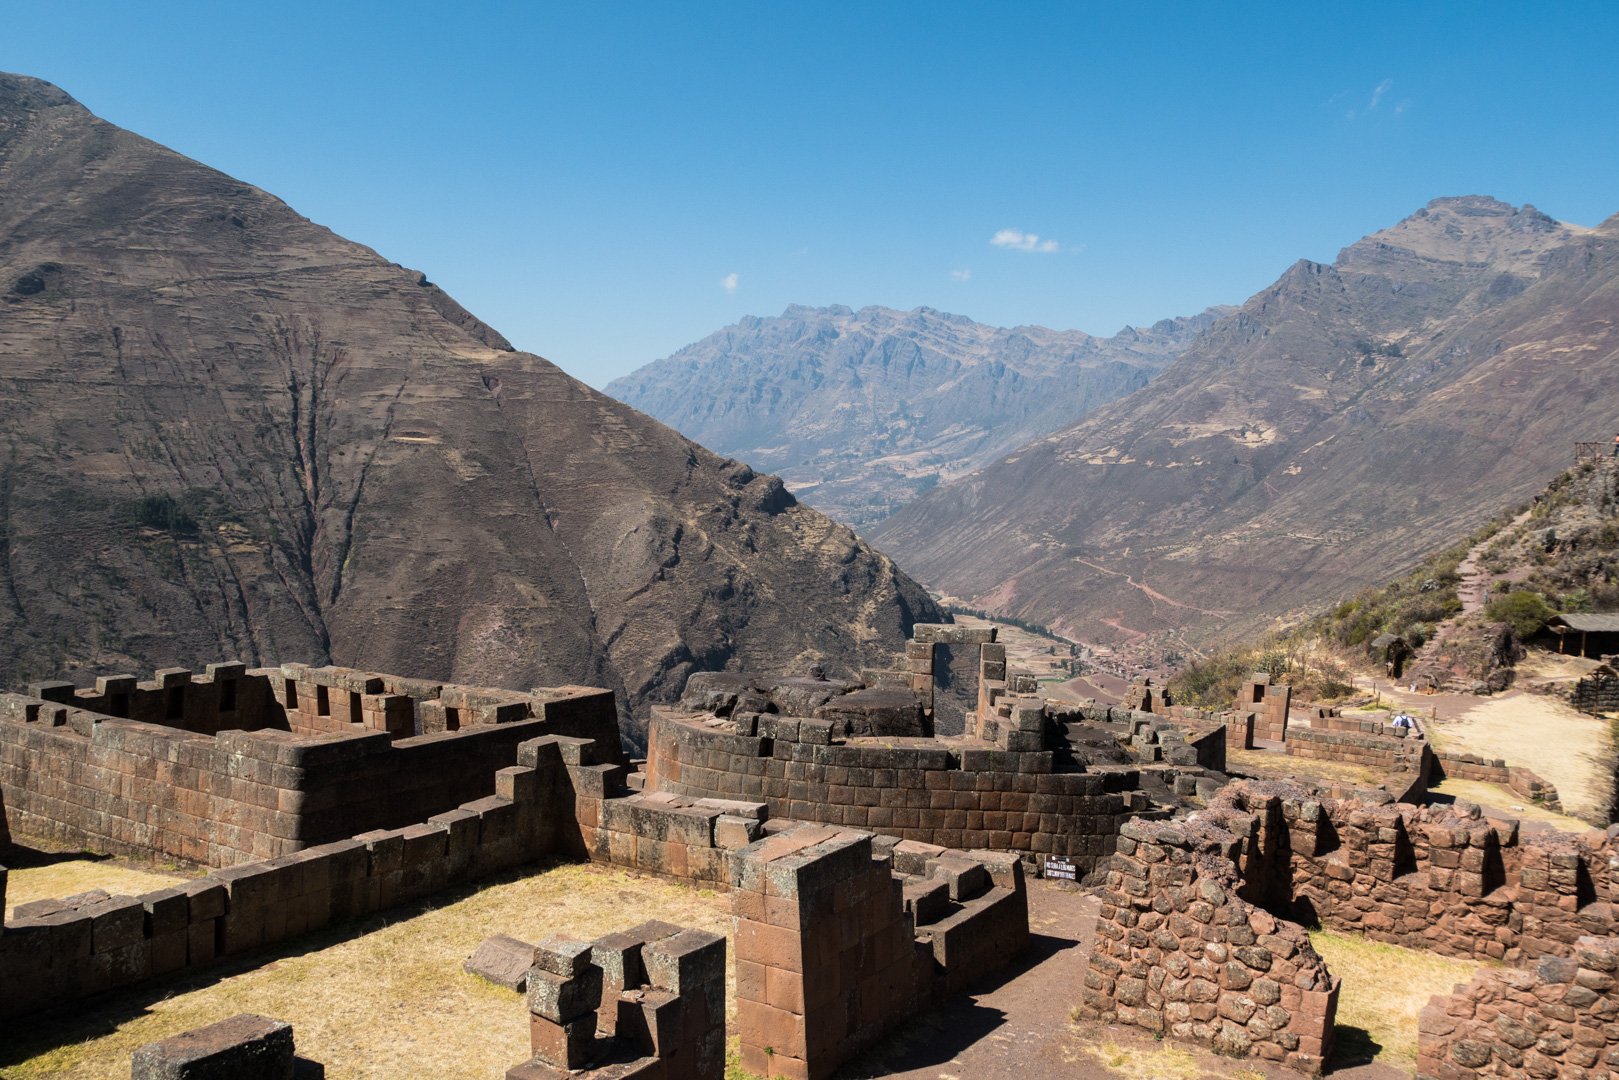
606, 182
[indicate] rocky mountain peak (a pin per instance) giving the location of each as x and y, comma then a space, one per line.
1345, 421
1473, 230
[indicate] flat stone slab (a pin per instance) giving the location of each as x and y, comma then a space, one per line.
881, 710
502, 960
245, 1047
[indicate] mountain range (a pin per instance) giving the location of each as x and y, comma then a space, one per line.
231, 433
859, 411
1341, 424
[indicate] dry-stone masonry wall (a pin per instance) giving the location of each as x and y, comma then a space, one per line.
839, 937
1558, 1020
1180, 953
847, 932
644, 1004
1496, 771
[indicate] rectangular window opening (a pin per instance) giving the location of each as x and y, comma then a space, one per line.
292, 695
452, 719
356, 709
323, 703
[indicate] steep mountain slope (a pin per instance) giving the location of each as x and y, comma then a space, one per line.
230, 432
861, 410
1342, 423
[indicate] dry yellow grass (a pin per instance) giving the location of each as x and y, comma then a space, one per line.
1565, 748
1160, 1061
1384, 989
382, 998
52, 880
1508, 801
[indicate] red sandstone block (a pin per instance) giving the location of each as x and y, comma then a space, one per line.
764, 1026
751, 980
771, 946
784, 990
564, 1046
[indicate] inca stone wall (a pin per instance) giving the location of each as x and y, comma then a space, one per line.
1597, 692
1554, 1021
1496, 771
143, 787
910, 922
834, 946
1178, 952
912, 789
1448, 881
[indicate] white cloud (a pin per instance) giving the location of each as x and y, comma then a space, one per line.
961, 275
728, 283
1379, 92
1018, 240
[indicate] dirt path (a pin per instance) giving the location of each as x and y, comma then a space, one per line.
1474, 589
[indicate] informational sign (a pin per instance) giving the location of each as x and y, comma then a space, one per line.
1058, 867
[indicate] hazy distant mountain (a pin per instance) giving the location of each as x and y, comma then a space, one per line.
1342, 423
231, 433
861, 410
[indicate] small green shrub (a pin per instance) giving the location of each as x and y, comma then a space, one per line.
1525, 612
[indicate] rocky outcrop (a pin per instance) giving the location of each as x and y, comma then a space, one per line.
859, 411
230, 432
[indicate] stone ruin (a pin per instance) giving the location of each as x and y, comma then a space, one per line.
321, 751
830, 810
1036, 776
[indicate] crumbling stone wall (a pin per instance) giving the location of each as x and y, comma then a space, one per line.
1404, 760
1178, 952
1442, 879
1449, 880
1597, 692
1555, 1021
912, 789
125, 785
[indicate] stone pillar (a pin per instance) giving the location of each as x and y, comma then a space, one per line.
824, 953
564, 992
